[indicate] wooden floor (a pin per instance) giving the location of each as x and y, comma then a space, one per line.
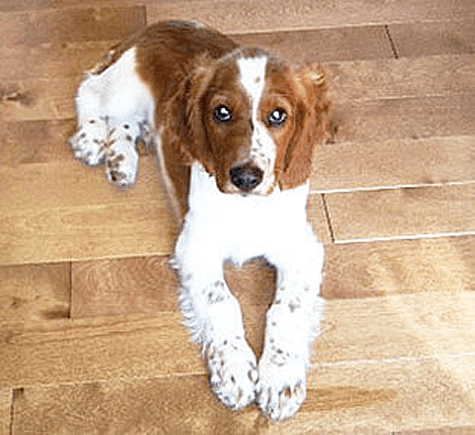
91, 340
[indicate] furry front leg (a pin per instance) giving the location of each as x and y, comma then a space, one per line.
214, 317
292, 323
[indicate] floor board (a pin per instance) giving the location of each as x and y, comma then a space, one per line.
91, 337
391, 163
35, 292
425, 39
402, 213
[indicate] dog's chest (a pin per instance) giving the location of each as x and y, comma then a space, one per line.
243, 227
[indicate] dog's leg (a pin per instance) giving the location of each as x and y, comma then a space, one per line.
291, 325
214, 316
114, 110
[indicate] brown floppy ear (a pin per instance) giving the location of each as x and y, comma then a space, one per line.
311, 127
185, 118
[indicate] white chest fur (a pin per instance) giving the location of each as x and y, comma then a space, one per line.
241, 227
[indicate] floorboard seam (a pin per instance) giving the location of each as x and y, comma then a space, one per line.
327, 216
391, 41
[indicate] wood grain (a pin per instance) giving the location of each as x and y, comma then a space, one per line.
401, 78
404, 118
35, 292
362, 397
69, 351
348, 43
91, 338
401, 162
375, 269
69, 25
86, 232
402, 213
254, 16
5, 410
426, 39
34, 142
378, 329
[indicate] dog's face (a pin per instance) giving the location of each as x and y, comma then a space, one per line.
252, 121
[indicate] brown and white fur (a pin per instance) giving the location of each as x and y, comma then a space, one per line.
235, 130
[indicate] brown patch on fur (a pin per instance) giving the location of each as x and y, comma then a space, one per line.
310, 126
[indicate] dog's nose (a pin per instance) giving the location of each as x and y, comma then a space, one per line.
246, 177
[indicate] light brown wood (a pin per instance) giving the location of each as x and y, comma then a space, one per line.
35, 292
360, 270
85, 232
253, 16
425, 39
415, 326
414, 118
348, 43
5, 410
66, 351
91, 338
402, 213
392, 396
394, 163
69, 25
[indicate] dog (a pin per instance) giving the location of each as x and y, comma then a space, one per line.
235, 131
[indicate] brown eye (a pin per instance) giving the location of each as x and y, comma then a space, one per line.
277, 117
222, 113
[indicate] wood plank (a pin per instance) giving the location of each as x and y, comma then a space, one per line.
347, 43
383, 398
51, 60
39, 99
362, 398
34, 142
450, 115
425, 39
86, 232
407, 326
123, 286
401, 78
35, 292
5, 411
70, 25
402, 213
371, 269
357, 270
255, 16
175, 405
73, 184
465, 430
401, 162
67, 351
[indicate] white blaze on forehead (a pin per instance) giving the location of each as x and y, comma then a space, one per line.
252, 72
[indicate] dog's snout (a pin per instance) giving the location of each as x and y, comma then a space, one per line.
246, 177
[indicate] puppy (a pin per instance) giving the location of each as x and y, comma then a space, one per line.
235, 130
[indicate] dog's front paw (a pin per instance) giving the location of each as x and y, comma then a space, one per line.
121, 160
232, 372
282, 385
90, 141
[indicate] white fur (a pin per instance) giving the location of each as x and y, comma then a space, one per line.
115, 109
220, 227
252, 73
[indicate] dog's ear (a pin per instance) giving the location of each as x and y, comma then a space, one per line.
185, 117
311, 126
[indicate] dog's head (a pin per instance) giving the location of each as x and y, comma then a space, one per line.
251, 120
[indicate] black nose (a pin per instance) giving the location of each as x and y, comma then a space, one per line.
246, 177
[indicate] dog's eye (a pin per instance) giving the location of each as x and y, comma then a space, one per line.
277, 117
222, 113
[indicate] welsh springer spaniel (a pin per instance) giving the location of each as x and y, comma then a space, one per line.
234, 130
